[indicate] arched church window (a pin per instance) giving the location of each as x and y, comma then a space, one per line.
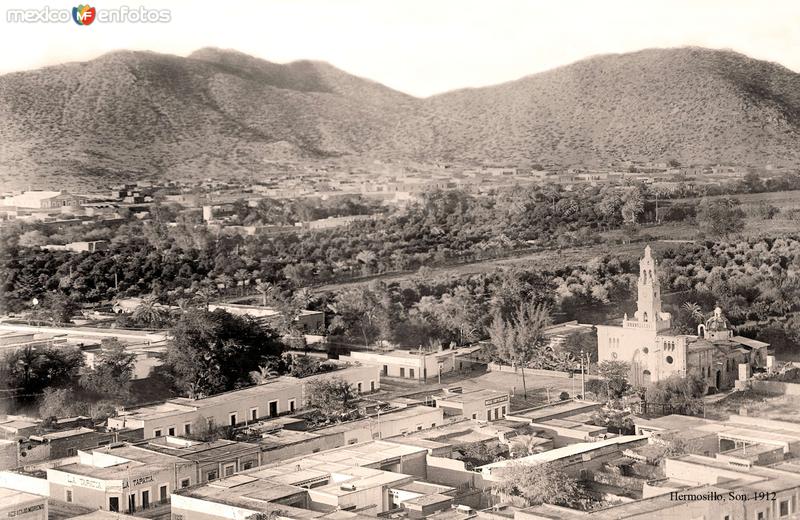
644, 316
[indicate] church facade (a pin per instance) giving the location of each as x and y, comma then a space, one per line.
654, 351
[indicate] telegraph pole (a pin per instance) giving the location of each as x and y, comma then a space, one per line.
583, 378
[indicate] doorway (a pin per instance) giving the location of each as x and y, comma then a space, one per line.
145, 498
719, 379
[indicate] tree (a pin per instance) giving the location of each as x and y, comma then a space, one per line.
274, 514
149, 312
112, 372
57, 308
520, 340
720, 217
457, 312
677, 394
333, 398
632, 206
213, 352
694, 311
32, 238
28, 371
59, 403
615, 374
356, 314
267, 291
304, 366
545, 483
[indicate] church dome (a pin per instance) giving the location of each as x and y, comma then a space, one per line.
717, 322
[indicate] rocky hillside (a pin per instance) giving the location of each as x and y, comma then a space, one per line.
215, 113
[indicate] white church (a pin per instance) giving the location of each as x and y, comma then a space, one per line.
655, 352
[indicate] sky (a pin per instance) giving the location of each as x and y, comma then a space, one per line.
421, 47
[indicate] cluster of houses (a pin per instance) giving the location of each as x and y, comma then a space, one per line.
412, 460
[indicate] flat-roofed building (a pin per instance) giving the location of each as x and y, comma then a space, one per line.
22, 506
215, 459
389, 424
359, 478
415, 364
43, 200
120, 478
177, 417
479, 405
573, 458
566, 422
13, 427
307, 320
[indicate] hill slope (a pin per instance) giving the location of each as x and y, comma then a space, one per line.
217, 113
696, 105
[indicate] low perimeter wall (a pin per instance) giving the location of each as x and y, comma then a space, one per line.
496, 367
775, 387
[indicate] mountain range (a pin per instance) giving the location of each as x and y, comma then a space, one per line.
128, 115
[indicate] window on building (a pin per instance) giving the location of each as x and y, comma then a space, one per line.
669, 360
291, 405
496, 413
68, 496
372, 386
402, 372
156, 433
783, 508
233, 420
71, 452
760, 515
253, 414
273, 408
185, 483
113, 504
162, 494
474, 416
228, 469
386, 370
171, 432
211, 475
247, 465
411, 373
132, 503
488, 415
187, 429
358, 387
504, 411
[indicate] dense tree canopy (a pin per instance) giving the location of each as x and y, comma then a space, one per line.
213, 352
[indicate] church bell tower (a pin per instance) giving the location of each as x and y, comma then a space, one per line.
648, 305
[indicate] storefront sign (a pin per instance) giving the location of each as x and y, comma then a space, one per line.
502, 399
25, 510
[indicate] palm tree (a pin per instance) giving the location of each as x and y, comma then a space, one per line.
694, 310
149, 311
224, 280
267, 291
241, 275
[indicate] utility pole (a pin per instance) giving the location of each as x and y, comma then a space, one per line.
583, 378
